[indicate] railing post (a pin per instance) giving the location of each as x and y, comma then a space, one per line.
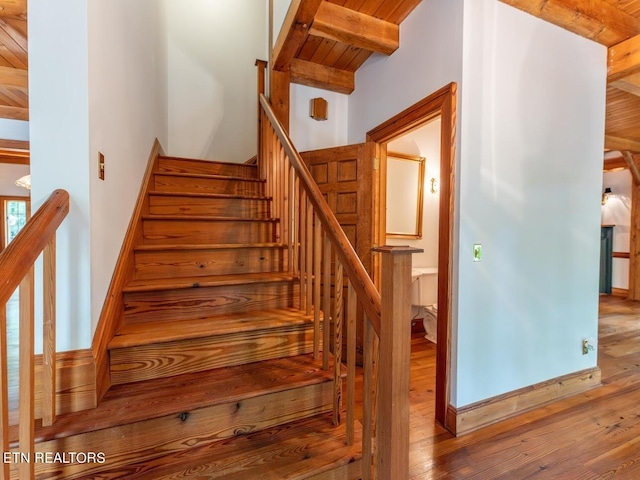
4, 392
49, 335
26, 392
392, 432
262, 68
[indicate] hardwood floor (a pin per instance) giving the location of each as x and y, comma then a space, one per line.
591, 436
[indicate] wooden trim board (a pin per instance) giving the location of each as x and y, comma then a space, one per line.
620, 292
487, 412
75, 383
113, 305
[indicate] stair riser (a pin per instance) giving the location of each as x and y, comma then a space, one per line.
171, 183
198, 232
145, 362
149, 439
219, 207
173, 165
189, 263
187, 304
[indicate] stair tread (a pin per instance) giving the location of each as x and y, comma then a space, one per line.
298, 450
171, 157
207, 218
215, 246
134, 402
148, 333
209, 176
156, 284
209, 195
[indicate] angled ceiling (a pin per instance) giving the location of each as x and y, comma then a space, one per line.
323, 42
14, 96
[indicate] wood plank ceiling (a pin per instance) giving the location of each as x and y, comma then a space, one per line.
14, 96
615, 24
323, 43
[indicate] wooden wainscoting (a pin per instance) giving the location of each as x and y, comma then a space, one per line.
487, 412
75, 383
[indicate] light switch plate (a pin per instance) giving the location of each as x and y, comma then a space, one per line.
477, 252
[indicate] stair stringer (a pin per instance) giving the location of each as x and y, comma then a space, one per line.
111, 314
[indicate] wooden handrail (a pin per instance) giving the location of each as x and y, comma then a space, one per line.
358, 276
22, 252
17, 267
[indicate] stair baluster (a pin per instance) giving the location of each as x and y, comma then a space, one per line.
16, 264
384, 322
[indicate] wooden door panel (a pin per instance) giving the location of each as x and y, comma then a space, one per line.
344, 177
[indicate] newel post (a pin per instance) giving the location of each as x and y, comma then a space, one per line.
394, 356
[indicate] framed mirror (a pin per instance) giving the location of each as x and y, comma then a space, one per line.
405, 193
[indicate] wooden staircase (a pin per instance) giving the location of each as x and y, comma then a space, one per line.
211, 368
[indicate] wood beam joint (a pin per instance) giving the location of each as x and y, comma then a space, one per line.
621, 144
623, 59
351, 27
321, 76
295, 30
633, 166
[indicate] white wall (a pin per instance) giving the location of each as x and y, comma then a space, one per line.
14, 129
429, 57
280, 8
617, 211
59, 136
9, 173
127, 111
423, 142
310, 134
212, 48
532, 126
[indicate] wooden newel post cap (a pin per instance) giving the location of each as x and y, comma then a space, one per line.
397, 249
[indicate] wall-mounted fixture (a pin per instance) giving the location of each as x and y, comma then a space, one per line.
605, 195
319, 109
434, 185
24, 182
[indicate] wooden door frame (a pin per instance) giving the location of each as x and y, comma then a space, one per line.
441, 103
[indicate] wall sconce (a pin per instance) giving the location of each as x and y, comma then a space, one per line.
434, 185
24, 182
605, 195
319, 109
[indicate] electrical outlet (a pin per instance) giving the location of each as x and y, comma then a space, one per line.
587, 346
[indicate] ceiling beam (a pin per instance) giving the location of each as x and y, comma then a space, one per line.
598, 20
629, 84
623, 59
622, 144
320, 76
13, 8
15, 78
15, 113
615, 163
354, 28
294, 32
633, 167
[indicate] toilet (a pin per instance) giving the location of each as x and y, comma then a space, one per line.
424, 299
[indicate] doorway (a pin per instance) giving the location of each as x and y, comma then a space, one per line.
441, 104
